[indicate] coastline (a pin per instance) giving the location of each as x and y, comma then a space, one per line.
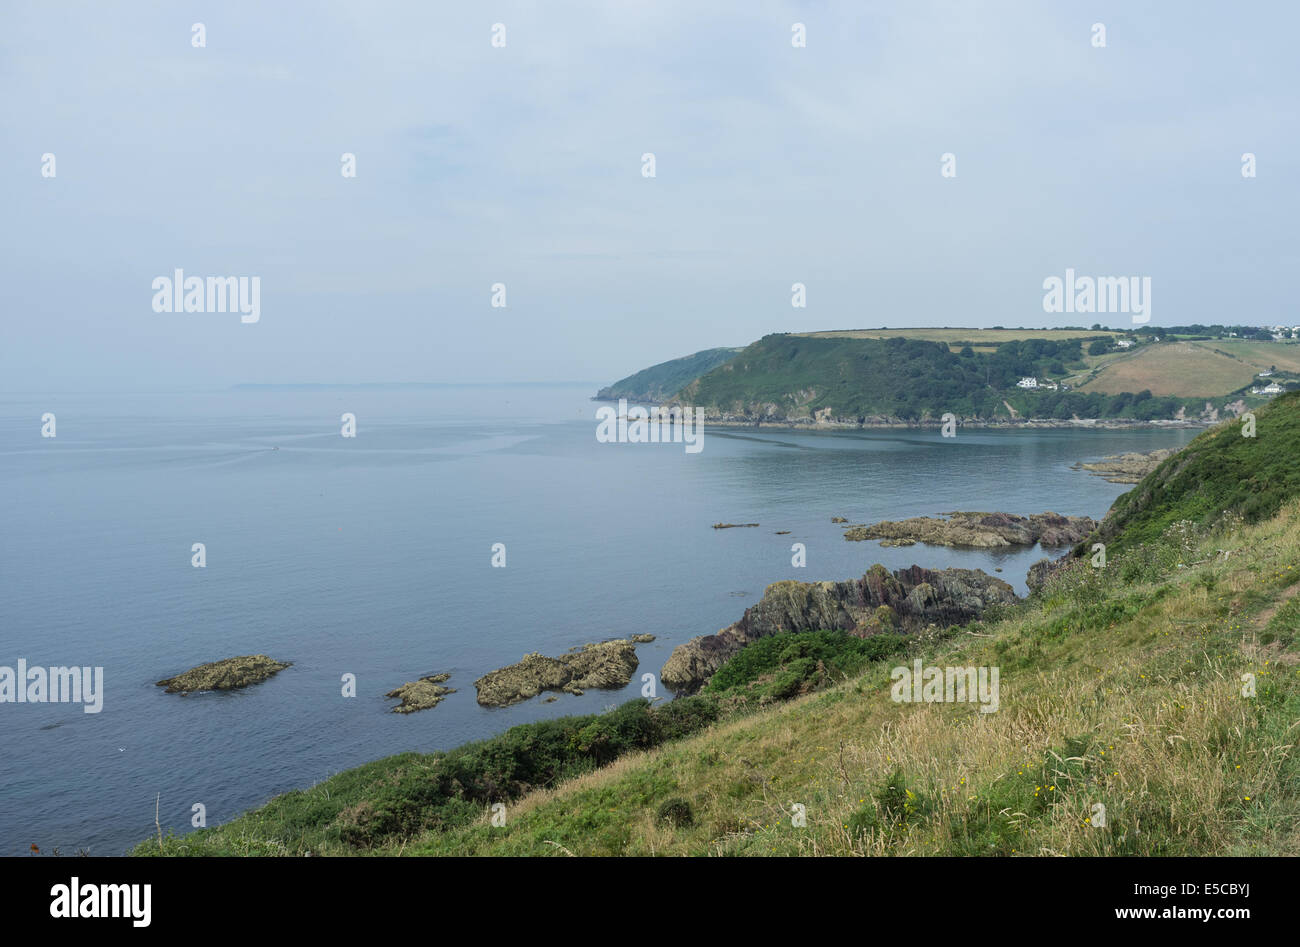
886, 423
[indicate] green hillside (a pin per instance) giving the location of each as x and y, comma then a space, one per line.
658, 382
793, 377
1220, 474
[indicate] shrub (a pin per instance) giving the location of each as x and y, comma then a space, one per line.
676, 812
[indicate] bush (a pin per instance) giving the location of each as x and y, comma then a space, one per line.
676, 812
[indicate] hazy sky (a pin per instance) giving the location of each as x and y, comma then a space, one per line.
522, 165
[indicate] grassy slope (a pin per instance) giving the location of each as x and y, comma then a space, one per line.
1174, 368
1123, 693
667, 378
1119, 686
1221, 471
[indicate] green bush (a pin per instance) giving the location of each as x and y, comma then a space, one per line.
676, 812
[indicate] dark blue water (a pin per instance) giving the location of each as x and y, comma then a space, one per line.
372, 556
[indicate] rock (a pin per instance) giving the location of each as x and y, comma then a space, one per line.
980, 530
605, 665
230, 674
642, 639
1044, 570
783, 532
732, 525
1131, 467
898, 542
839, 519
906, 600
422, 694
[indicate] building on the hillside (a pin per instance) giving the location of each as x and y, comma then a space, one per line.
1124, 343
1263, 374
1272, 388
1027, 382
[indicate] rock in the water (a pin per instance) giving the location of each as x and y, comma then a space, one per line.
230, 674
1131, 467
642, 639
981, 530
906, 600
605, 665
422, 694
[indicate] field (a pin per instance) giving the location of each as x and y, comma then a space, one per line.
981, 337
1186, 369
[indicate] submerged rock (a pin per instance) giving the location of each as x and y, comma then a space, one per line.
981, 530
903, 601
1131, 467
422, 694
733, 525
230, 674
604, 665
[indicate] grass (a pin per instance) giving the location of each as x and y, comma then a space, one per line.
1120, 687
1125, 695
1219, 473
1182, 369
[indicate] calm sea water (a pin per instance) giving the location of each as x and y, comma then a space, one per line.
372, 556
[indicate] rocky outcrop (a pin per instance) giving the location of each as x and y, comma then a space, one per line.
1044, 570
903, 601
605, 665
422, 694
1130, 467
981, 530
230, 674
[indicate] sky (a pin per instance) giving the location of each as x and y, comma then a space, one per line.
521, 164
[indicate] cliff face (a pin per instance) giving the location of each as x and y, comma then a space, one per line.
906, 600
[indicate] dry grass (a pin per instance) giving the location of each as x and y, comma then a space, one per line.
1142, 714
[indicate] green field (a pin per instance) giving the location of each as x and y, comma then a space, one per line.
1204, 368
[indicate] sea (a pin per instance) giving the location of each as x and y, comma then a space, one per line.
372, 557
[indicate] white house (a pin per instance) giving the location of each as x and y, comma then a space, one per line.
1272, 388
1124, 343
1027, 382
